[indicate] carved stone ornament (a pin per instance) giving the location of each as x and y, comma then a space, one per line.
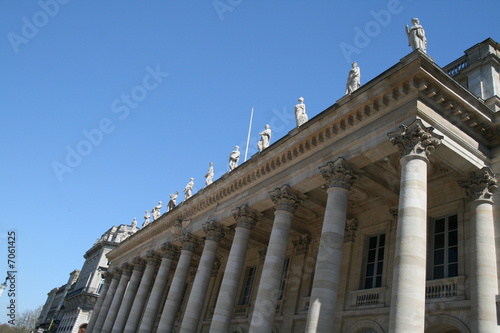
480, 185
415, 139
188, 241
214, 231
127, 268
339, 174
170, 251
246, 217
351, 226
215, 268
139, 264
152, 257
301, 244
107, 276
117, 273
286, 198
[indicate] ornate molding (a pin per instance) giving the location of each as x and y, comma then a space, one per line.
188, 241
214, 231
301, 244
415, 139
127, 268
246, 217
480, 185
108, 276
286, 198
351, 226
170, 251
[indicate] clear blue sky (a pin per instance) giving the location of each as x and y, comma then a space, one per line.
163, 88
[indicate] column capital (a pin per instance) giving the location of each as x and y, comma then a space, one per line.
152, 257
117, 272
415, 139
351, 226
339, 173
301, 244
286, 198
107, 276
169, 251
480, 185
139, 264
188, 241
214, 231
127, 268
246, 217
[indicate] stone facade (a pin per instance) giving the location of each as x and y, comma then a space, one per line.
76, 305
377, 215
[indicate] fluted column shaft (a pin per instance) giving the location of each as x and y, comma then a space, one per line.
484, 288
327, 273
128, 298
407, 312
141, 294
117, 299
151, 311
100, 300
245, 220
199, 290
286, 201
174, 297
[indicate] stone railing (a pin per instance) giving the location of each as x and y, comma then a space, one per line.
456, 67
374, 296
444, 288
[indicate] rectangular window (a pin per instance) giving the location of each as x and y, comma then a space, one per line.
247, 289
445, 247
374, 262
284, 274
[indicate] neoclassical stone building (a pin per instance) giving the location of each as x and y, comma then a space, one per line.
377, 215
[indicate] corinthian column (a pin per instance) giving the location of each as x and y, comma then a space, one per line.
408, 284
108, 277
192, 314
340, 177
141, 295
117, 299
107, 301
170, 252
167, 320
245, 218
480, 188
286, 201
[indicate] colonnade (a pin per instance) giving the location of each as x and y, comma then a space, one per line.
135, 308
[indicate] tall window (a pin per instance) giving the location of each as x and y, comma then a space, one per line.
445, 247
374, 262
247, 289
284, 274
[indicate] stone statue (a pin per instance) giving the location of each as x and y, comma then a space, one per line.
416, 35
156, 210
209, 177
146, 219
265, 138
188, 191
300, 112
234, 158
173, 201
353, 79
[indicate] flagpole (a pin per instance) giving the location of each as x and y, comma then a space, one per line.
248, 138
